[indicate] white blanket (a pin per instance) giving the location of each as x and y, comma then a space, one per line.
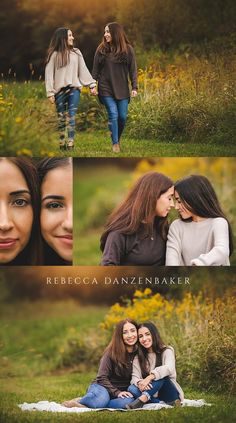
58, 408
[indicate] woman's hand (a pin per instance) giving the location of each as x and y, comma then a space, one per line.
93, 91
145, 384
52, 99
125, 394
134, 93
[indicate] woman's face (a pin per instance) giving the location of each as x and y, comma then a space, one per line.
130, 335
56, 211
70, 38
16, 212
165, 202
107, 34
179, 206
145, 337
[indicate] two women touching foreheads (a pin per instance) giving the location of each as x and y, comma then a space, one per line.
137, 231
35, 211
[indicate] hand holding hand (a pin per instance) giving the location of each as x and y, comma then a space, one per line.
93, 91
134, 93
52, 99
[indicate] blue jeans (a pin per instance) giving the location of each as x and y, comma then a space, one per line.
167, 391
67, 101
117, 114
98, 397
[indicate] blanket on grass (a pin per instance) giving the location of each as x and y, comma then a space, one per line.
58, 408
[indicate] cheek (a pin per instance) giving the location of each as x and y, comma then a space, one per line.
23, 221
48, 222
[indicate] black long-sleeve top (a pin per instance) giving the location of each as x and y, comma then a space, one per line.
113, 76
111, 377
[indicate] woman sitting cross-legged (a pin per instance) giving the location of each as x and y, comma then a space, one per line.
154, 373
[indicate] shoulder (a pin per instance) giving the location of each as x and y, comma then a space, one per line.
77, 51
176, 225
115, 236
168, 351
130, 49
219, 222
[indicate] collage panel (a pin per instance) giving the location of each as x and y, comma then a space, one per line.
154, 212
36, 211
61, 326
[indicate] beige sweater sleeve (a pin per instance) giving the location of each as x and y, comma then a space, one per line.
136, 372
173, 246
50, 75
85, 76
168, 365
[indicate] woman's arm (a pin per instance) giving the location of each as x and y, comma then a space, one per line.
96, 67
219, 254
49, 76
173, 246
114, 249
104, 374
168, 365
136, 372
133, 74
85, 76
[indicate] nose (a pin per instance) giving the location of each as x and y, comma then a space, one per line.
172, 204
5, 219
177, 205
67, 223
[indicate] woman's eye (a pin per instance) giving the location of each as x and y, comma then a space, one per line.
54, 205
20, 202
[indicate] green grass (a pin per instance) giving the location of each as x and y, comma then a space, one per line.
61, 387
28, 127
31, 334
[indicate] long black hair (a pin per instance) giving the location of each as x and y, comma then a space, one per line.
158, 347
199, 197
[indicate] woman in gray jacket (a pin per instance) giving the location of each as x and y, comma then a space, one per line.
154, 373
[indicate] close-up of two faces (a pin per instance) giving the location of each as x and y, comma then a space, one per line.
36, 221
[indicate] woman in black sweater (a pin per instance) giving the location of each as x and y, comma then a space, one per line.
109, 389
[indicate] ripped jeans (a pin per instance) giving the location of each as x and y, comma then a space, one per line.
67, 101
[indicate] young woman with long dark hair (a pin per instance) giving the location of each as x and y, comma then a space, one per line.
65, 75
136, 231
19, 211
56, 220
114, 63
154, 373
109, 389
203, 235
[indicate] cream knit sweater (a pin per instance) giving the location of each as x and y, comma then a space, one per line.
166, 369
204, 243
74, 74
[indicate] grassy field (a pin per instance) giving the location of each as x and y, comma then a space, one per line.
185, 109
32, 334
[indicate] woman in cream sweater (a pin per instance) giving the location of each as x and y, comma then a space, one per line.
154, 373
202, 236
65, 75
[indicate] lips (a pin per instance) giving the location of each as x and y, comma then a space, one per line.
6, 243
66, 239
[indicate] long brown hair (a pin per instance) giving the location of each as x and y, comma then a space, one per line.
116, 348
119, 42
59, 44
139, 207
199, 197
158, 347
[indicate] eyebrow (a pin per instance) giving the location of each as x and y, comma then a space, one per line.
20, 191
53, 197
